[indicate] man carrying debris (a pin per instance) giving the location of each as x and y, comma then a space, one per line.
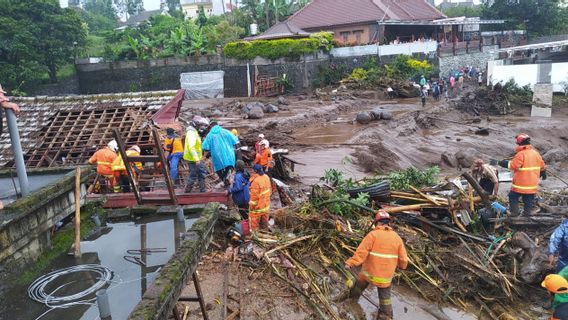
194, 155
527, 167
264, 157
220, 144
380, 252
486, 175
120, 182
174, 147
240, 189
103, 158
259, 204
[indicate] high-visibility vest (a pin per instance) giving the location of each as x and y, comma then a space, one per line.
192, 151
264, 158
103, 158
173, 145
118, 163
526, 167
260, 191
380, 252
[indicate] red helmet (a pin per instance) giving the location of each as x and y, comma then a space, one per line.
382, 215
521, 138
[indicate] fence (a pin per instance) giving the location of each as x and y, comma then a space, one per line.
386, 50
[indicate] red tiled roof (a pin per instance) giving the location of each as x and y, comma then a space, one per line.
325, 13
281, 30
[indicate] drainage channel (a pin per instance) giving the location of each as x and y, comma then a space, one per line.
121, 247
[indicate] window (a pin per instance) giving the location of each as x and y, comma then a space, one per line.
345, 36
358, 34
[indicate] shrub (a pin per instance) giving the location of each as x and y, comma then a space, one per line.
274, 49
359, 74
330, 73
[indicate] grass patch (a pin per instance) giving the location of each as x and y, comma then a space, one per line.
61, 242
560, 100
95, 46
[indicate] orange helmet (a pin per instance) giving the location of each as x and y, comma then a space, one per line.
523, 137
555, 283
382, 215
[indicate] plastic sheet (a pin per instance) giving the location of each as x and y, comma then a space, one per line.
202, 85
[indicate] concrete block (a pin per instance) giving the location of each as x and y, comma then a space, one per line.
541, 112
542, 94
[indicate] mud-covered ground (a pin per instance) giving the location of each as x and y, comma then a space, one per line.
322, 134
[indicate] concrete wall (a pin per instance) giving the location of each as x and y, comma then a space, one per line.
26, 223
478, 60
161, 297
386, 50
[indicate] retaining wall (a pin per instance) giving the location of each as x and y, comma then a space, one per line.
25, 224
160, 298
478, 60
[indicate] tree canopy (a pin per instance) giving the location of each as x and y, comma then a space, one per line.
37, 36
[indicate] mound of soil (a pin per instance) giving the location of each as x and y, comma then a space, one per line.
376, 158
485, 100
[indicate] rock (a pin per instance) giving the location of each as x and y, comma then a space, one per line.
270, 108
448, 159
377, 113
465, 158
284, 107
554, 155
283, 101
385, 115
217, 113
255, 113
364, 117
330, 117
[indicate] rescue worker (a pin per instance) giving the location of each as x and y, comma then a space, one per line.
259, 204
257, 143
194, 155
486, 175
558, 247
238, 152
264, 157
174, 147
527, 166
103, 158
220, 144
380, 252
121, 181
240, 189
557, 285
422, 81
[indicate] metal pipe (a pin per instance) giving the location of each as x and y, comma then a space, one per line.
18, 153
103, 304
179, 214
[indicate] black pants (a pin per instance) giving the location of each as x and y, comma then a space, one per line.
243, 211
487, 185
223, 173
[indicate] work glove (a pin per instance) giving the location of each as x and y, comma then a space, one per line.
504, 163
543, 175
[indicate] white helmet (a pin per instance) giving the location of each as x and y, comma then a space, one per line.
261, 136
265, 143
113, 145
135, 148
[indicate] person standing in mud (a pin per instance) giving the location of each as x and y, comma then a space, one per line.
379, 254
423, 94
452, 86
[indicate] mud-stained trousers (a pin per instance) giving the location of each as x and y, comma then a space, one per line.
385, 303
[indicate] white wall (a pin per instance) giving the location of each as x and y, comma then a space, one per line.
386, 50
526, 74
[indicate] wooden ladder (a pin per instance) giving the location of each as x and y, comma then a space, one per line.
158, 157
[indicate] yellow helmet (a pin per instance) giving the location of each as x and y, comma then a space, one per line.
235, 132
555, 283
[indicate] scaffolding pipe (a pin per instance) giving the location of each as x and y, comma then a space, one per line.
18, 153
103, 305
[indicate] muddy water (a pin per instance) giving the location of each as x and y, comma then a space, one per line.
129, 282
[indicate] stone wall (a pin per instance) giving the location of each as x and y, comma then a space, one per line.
25, 225
478, 60
160, 298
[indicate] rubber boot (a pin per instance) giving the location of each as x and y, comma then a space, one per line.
201, 185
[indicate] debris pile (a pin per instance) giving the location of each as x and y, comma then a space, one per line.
484, 100
461, 246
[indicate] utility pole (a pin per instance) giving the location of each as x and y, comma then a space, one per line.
18, 153
275, 11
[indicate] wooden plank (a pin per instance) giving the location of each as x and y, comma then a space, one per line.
128, 199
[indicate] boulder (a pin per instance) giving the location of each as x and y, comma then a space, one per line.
217, 113
465, 158
385, 115
377, 113
364, 117
555, 155
255, 112
249, 106
283, 101
448, 159
270, 108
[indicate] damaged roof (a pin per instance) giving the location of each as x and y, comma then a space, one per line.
64, 131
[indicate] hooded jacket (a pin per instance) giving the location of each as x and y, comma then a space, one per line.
240, 189
220, 144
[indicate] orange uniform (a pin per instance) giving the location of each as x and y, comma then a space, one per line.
259, 203
526, 167
103, 158
173, 145
264, 158
380, 252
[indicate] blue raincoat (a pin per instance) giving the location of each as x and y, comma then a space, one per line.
559, 245
220, 144
240, 189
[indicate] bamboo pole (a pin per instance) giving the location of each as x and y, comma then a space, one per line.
425, 196
78, 212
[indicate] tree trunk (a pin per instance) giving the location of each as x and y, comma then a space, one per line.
267, 10
52, 71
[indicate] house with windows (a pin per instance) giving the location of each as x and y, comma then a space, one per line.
211, 7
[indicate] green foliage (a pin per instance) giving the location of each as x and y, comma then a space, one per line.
402, 180
285, 82
97, 23
330, 73
272, 49
405, 67
463, 11
325, 40
513, 88
221, 33
359, 74
268, 13
37, 37
201, 19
